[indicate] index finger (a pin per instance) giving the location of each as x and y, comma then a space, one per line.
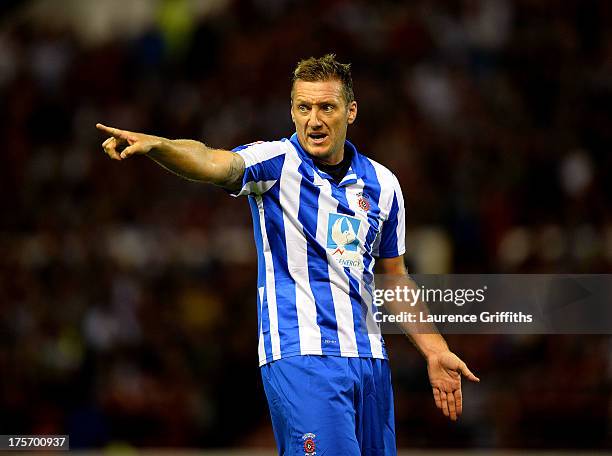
115, 132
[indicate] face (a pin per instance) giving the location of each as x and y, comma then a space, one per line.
321, 117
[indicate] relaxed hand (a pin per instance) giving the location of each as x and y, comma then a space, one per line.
445, 370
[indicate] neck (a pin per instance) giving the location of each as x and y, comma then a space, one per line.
333, 159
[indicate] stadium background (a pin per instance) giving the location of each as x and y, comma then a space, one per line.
127, 294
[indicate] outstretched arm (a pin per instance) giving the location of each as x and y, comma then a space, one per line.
187, 158
443, 366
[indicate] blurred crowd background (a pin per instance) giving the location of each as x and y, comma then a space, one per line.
128, 295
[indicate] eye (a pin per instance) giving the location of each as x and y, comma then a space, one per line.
302, 108
328, 107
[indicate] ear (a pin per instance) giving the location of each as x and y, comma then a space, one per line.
291, 111
352, 112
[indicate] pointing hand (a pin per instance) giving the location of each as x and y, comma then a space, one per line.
137, 143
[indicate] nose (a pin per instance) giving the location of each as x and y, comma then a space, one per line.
314, 120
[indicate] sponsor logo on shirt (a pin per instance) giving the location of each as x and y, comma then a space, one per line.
342, 240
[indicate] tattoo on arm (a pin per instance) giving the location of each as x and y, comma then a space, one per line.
233, 182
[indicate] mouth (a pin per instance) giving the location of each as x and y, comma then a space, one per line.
317, 138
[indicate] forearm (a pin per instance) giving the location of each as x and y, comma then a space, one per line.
424, 335
196, 161
427, 340
429, 344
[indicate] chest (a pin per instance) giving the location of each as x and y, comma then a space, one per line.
341, 218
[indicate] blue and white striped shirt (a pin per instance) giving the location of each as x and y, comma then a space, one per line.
316, 243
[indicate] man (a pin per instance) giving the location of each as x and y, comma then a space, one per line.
322, 214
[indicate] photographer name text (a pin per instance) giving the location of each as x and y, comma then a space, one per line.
482, 317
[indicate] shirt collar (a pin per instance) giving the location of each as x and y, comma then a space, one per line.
352, 174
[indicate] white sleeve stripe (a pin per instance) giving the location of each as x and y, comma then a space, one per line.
401, 218
257, 187
260, 152
390, 187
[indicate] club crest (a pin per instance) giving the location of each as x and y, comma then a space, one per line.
310, 446
363, 201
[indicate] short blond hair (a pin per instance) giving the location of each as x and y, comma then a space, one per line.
324, 69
